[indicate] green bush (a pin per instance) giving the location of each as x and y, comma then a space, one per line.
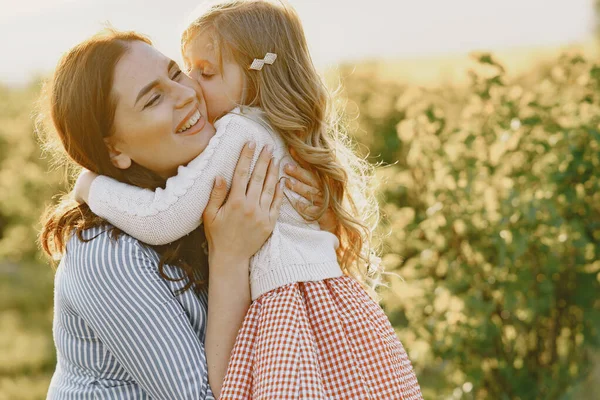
492, 203
490, 197
27, 184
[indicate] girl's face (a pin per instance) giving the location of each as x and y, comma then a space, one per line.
223, 92
160, 117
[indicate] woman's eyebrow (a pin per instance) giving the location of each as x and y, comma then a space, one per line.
152, 84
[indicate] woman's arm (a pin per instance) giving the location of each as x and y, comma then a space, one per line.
235, 230
117, 290
228, 299
165, 215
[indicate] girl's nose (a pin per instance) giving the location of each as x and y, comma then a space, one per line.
195, 74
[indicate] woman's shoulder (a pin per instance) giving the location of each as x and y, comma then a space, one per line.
100, 250
105, 236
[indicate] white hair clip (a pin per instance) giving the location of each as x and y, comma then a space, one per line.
258, 63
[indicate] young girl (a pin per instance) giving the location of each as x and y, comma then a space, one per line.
312, 331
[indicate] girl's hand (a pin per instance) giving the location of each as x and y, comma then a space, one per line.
305, 184
81, 190
236, 229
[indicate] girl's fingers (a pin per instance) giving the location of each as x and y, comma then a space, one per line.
257, 180
242, 171
311, 194
301, 174
268, 190
304, 207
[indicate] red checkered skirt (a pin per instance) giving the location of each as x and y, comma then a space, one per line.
318, 340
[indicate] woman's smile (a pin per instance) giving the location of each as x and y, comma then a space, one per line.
192, 124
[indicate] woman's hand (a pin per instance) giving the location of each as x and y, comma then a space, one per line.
240, 227
305, 184
235, 231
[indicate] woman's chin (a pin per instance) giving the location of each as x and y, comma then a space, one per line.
193, 144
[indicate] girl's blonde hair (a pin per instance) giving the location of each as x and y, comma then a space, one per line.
298, 106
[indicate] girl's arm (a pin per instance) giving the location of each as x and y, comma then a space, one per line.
235, 230
81, 190
119, 293
165, 215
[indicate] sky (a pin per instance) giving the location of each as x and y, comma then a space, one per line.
35, 33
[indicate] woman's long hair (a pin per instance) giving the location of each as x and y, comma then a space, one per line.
299, 107
77, 114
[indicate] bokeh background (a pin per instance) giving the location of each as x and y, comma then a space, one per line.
484, 120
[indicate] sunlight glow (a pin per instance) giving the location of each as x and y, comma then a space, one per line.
34, 33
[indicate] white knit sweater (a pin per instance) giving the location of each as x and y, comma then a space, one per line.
297, 250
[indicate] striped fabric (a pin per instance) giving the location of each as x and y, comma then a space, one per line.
120, 330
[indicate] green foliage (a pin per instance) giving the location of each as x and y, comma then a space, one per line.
27, 357
492, 203
26, 182
490, 197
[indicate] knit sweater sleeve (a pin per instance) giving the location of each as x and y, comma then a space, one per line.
165, 215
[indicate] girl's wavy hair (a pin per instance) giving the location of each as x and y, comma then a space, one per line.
76, 113
300, 108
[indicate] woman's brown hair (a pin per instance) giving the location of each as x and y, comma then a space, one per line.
80, 111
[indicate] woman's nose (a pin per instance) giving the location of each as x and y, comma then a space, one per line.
185, 95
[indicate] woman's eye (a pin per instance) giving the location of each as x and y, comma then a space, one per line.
207, 75
152, 101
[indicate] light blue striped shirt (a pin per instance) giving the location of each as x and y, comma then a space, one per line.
121, 331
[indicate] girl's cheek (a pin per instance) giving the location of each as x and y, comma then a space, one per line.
210, 92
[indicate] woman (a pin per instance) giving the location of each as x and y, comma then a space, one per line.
130, 319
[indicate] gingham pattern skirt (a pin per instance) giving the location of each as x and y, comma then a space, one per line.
318, 340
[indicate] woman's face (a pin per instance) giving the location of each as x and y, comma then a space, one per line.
160, 117
223, 92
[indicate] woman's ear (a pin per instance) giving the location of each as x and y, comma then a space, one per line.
118, 159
